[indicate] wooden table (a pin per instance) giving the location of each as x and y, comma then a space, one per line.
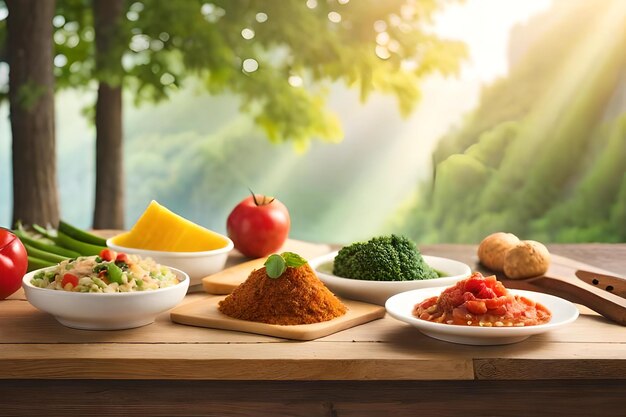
382, 368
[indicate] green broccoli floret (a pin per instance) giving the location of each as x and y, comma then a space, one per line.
385, 258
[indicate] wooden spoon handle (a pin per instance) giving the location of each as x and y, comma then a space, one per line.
609, 305
610, 283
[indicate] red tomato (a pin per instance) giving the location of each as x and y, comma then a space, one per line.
69, 278
121, 257
476, 307
107, 254
258, 226
13, 263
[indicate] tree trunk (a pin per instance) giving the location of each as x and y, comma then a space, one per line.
31, 97
109, 203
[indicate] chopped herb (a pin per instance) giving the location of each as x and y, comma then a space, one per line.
123, 265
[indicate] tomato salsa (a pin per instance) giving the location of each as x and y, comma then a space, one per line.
481, 301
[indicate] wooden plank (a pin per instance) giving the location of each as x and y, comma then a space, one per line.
315, 360
267, 361
562, 369
311, 399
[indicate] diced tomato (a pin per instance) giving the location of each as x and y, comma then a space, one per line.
476, 307
527, 301
69, 279
475, 283
500, 310
468, 296
121, 257
482, 301
108, 254
499, 289
486, 293
428, 302
493, 303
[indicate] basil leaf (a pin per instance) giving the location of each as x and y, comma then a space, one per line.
275, 266
293, 259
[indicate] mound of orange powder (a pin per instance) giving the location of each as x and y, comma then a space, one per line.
296, 297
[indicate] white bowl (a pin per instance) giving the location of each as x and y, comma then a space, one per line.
196, 264
105, 311
377, 292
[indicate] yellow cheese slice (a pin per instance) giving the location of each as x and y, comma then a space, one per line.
160, 229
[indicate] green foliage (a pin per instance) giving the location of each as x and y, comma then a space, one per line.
385, 258
279, 57
543, 155
74, 39
540, 57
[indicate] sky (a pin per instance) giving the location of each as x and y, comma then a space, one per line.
484, 25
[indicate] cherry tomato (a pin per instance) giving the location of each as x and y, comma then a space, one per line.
121, 257
108, 254
69, 279
258, 226
13, 263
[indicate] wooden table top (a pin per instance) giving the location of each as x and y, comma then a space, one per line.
33, 345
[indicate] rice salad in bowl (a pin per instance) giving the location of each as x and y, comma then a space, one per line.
111, 291
109, 272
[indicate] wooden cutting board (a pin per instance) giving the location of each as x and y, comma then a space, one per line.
204, 313
225, 281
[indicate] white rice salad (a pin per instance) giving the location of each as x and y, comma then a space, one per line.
110, 272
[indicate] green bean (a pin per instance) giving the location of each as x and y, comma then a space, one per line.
80, 234
81, 247
38, 244
36, 263
43, 231
43, 255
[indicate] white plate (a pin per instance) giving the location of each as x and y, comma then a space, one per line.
377, 292
400, 306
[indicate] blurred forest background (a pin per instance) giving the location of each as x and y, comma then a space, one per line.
529, 137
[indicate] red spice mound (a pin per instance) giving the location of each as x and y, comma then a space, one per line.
296, 297
480, 301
